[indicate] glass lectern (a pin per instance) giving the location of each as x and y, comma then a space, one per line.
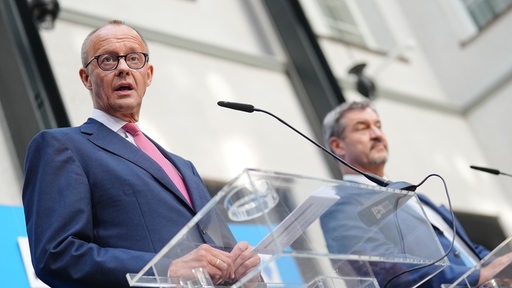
291, 221
502, 277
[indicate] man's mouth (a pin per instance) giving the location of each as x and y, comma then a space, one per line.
123, 87
378, 145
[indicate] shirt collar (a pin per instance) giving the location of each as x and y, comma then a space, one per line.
357, 178
108, 120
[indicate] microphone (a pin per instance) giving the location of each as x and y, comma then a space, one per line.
490, 170
237, 106
372, 177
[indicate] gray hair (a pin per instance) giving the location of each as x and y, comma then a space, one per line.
334, 126
85, 44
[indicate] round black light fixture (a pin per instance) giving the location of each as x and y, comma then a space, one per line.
44, 12
364, 85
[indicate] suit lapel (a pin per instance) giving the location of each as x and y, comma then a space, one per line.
185, 171
109, 140
447, 217
197, 192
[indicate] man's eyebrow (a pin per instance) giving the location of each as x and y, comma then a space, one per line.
361, 121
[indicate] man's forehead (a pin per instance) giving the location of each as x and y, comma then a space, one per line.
361, 115
115, 34
116, 31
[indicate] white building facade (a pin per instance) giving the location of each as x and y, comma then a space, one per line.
443, 78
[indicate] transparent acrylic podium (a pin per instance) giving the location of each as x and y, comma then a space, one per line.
503, 277
372, 233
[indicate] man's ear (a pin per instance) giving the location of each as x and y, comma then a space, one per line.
86, 80
337, 146
150, 75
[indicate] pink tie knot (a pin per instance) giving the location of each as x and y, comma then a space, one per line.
131, 128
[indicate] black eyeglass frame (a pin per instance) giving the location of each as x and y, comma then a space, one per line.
146, 58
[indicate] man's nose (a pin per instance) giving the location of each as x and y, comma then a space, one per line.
122, 66
376, 132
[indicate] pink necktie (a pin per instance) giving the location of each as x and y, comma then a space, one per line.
149, 148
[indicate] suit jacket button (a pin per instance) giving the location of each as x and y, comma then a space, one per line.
457, 253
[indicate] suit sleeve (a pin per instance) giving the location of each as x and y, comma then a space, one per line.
60, 224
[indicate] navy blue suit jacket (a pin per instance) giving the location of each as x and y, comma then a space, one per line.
97, 207
456, 267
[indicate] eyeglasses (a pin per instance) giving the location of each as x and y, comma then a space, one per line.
109, 62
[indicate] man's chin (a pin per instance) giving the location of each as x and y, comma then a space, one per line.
379, 160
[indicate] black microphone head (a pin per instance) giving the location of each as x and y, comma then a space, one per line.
488, 170
237, 106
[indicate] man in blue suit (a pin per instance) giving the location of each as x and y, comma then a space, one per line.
353, 131
96, 206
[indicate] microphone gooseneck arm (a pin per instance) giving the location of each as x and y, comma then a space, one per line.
250, 108
374, 178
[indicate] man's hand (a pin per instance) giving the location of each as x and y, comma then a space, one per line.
488, 272
217, 263
244, 260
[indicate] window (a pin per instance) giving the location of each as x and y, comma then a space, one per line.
484, 11
340, 21
360, 23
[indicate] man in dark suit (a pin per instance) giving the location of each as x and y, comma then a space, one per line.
353, 131
97, 207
